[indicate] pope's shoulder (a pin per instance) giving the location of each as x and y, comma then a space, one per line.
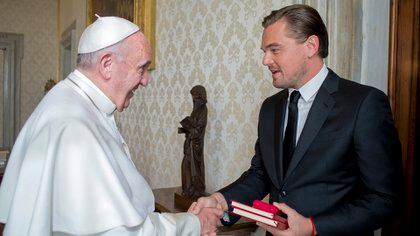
63, 104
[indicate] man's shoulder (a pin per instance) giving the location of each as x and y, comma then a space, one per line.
273, 99
347, 87
357, 90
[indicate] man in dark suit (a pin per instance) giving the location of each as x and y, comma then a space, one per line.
327, 150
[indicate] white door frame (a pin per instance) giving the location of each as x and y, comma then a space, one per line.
12, 44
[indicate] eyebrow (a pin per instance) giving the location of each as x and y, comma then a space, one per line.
272, 45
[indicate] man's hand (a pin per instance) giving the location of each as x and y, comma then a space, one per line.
298, 224
216, 200
209, 219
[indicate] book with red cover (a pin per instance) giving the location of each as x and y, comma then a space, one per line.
260, 211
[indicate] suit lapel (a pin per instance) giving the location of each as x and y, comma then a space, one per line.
318, 113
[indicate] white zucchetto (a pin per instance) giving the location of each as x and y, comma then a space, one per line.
104, 32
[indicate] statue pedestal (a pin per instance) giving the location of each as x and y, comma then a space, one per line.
183, 202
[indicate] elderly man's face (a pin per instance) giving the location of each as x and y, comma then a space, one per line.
132, 70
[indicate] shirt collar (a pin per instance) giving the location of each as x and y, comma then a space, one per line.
308, 90
99, 99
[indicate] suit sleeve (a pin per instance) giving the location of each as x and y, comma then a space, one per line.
252, 184
378, 152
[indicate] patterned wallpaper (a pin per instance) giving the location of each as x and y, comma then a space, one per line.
217, 44
36, 20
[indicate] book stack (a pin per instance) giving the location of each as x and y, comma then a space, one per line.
261, 212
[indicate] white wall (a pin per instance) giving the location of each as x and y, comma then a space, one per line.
72, 11
375, 43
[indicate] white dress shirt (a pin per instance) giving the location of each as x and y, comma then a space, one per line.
308, 93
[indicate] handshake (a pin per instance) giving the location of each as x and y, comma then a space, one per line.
209, 210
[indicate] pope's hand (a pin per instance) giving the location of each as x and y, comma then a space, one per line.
209, 219
209, 210
298, 224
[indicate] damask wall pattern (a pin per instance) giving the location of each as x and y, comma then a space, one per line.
37, 21
217, 44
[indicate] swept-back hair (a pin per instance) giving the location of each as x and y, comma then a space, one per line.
302, 21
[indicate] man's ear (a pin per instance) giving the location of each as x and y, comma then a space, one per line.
105, 65
312, 44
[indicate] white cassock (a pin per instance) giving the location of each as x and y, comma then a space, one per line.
70, 173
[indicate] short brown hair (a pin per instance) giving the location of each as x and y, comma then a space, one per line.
302, 22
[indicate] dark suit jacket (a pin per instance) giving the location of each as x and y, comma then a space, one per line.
346, 169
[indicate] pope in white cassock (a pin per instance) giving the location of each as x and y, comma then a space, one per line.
70, 171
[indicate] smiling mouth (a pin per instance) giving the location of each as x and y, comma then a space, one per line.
274, 70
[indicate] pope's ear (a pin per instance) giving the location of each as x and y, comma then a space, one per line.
105, 65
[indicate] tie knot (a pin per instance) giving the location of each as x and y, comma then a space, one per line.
294, 97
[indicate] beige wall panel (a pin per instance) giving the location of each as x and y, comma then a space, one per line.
36, 20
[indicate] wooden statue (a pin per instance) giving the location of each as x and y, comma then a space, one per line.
194, 127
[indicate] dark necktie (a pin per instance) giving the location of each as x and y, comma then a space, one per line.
289, 141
